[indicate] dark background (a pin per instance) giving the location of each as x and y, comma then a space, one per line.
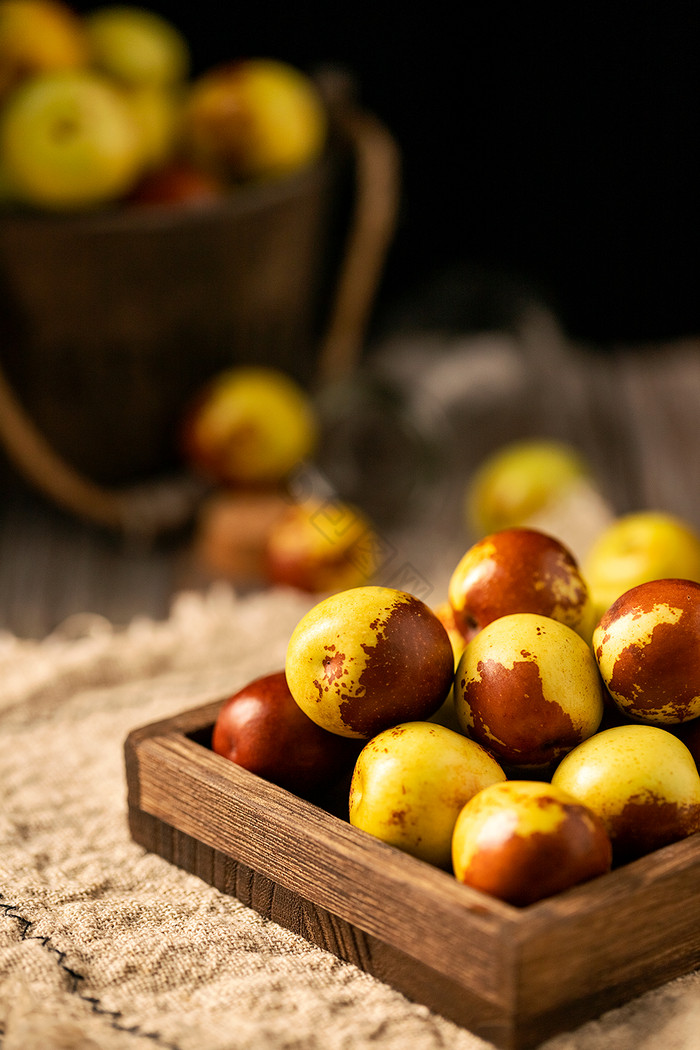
556, 143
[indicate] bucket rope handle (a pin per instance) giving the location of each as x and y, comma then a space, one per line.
149, 509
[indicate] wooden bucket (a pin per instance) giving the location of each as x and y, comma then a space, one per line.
109, 322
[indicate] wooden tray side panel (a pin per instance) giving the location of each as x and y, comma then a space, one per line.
411, 977
631, 937
300, 846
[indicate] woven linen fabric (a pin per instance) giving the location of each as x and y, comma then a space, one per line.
103, 945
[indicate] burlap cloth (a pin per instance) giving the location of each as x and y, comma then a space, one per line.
105, 945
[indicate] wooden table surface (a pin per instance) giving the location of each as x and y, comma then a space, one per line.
632, 410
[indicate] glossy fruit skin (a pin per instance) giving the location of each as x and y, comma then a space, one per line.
637, 548
519, 480
68, 141
642, 782
261, 728
527, 687
518, 570
368, 658
320, 546
648, 649
410, 783
523, 841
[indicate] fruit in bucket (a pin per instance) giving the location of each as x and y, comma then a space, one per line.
37, 36
177, 183
643, 783
68, 141
410, 782
527, 687
261, 728
638, 547
253, 119
367, 658
249, 426
518, 570
525, 840
648, 650
136, 46
156, 113
250, 119
149, 59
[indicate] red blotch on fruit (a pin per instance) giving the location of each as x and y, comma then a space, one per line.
263, 729
407, 674
522, 570
647, 823
661, 671
512, 717
334, 666
523, 869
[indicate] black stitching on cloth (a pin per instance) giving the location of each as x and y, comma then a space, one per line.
113, 1016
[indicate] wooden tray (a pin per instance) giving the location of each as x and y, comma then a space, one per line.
513, 976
